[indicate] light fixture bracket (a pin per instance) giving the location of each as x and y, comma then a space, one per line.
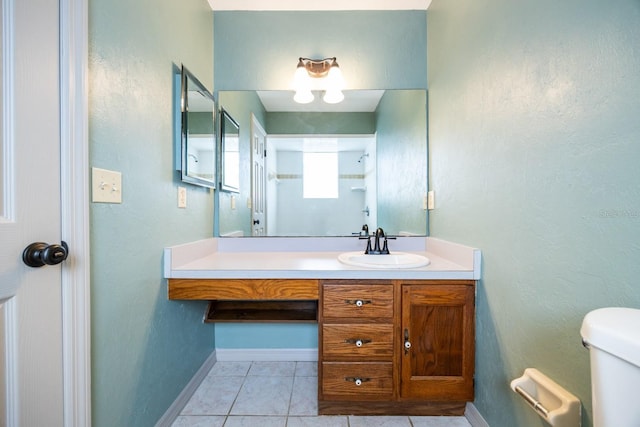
317, 68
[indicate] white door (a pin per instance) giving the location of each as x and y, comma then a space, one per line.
258, 179
30, 211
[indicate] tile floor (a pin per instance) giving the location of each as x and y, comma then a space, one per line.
277, 394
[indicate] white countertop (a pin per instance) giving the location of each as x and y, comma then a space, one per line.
312, 258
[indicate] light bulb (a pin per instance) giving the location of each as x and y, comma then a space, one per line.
333, 96
301, 79
335, 84
303, 96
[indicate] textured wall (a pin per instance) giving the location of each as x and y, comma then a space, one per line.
534, 145
401, 175
321, 123
144, 348
375, 50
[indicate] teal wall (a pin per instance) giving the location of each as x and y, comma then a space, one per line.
144, 348
200, 123
321, 123
534, 145
375, 49
260, 51
401, 133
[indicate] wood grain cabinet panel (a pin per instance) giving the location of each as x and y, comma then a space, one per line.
357, 381
358, 301
418, 358
438, 322
357, 341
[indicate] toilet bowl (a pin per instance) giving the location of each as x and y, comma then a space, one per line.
612, 336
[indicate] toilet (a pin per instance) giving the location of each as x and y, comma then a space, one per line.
612, 336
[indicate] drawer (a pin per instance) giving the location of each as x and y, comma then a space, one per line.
357, 340
357, 301
356, 381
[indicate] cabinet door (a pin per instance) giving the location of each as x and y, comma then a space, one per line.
438, 322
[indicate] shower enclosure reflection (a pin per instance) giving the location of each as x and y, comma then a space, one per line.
331, 182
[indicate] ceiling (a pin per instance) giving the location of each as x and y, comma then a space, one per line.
319, 5
354, 101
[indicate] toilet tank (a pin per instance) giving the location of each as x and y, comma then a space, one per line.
612, 336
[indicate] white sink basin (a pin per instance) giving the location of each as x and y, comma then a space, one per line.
392, 260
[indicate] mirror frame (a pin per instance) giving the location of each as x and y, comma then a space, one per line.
190, 82
226, 123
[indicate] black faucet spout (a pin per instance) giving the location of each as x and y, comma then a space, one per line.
376, 247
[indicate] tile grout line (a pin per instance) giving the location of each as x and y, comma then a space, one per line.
226, 417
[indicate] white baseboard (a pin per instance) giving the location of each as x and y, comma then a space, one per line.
474, 417
267, 354
183, 398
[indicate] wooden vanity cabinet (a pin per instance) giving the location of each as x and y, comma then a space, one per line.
438, 333
355, 346
396, 347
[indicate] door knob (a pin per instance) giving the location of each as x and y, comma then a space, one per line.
38, 254
256, 221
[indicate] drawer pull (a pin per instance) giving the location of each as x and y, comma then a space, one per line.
358, 302
357, 342
356, 380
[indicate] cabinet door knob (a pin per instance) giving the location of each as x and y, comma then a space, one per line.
407, 343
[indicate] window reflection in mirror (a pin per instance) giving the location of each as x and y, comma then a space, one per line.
320, 175
381, 184
198, 138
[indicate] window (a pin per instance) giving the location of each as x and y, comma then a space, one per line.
320, 175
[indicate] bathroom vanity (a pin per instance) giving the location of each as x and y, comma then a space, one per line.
391, 341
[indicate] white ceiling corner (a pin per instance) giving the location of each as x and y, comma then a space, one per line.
309, 5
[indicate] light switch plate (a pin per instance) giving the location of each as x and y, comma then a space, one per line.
106, 186
431, 200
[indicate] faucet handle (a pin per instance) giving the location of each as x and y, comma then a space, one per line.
385, 247
368, 239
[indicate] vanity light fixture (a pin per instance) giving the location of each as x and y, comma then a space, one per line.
328, 75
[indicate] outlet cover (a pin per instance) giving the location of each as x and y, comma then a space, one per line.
182, 197
431, 200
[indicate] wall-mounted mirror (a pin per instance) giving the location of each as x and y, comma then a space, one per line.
198, 137
370, 153
229, 152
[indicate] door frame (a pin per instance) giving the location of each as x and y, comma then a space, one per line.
74, 194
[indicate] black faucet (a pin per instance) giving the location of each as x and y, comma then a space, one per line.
379, 234
362, 233
376, 247
377, 250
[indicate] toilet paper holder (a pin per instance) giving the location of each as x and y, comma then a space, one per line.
549, 400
